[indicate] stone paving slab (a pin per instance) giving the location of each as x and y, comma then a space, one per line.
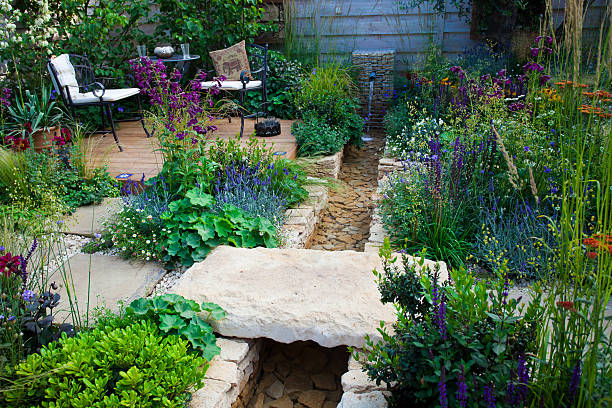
291, 294
112, 279
80, 222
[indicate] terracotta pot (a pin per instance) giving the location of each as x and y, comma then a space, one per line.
43, 139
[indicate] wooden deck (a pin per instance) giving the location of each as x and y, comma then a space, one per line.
139, 156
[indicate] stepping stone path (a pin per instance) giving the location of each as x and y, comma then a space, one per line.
88, 219
345, 223
112, 279
291, 294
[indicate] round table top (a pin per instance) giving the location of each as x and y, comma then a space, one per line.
175, 58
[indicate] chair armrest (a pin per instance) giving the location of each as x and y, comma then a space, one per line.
95, 88
244, 78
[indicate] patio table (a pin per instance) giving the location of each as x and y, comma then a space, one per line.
182, 62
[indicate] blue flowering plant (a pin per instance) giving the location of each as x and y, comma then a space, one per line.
460, 344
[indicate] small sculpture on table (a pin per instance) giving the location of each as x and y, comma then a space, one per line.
164, 52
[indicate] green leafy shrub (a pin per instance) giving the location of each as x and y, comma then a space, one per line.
284, 77
451, 334
328, 94
108, 367
210, 25
177, 316
192, 231
317, 138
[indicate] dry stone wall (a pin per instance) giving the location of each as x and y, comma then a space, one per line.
231, 376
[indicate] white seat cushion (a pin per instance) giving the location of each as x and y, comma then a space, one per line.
231, 85
65, 73
110, 95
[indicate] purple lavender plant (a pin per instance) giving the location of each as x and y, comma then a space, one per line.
442, 389
523, 378
462, 389
249, 189
24, 265
575, 382
489, 396
439, 304
150, 201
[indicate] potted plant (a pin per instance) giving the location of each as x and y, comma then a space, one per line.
35, 120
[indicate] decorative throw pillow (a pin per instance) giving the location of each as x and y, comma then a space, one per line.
231, 61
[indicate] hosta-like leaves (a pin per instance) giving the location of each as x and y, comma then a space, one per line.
171, 322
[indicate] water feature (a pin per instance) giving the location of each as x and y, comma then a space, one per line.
371, 80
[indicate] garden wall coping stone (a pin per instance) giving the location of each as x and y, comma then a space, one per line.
301, 222
325, 166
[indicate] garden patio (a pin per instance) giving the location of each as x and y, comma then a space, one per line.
140, 156
411, 205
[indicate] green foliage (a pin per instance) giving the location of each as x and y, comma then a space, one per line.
49, 172
227, 153
415, 219
211, 25
485, 334
317, 138
283, 81
108, 367
328, 95
106, 33
178, 316
192, 231
30, 114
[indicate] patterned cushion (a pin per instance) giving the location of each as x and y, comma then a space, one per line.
231, 61
65, 73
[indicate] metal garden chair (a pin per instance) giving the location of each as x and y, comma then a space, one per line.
74, 79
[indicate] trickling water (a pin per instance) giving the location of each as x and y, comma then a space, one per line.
370, 97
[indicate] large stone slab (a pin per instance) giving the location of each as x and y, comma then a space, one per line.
111, 279
291, 294
88, 219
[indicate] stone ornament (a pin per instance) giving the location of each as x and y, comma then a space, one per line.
164, 52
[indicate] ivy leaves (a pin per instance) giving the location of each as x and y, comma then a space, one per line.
192, 230
178, 316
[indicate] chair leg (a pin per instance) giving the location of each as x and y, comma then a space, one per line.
102, 115
142, 116
241, 111
110, 119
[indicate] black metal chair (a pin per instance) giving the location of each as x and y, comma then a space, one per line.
74, 79
246, 84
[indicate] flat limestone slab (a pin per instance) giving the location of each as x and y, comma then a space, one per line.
80, 222
112, 279
291, 294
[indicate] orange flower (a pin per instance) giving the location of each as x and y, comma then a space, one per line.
591, 242
591, 254
566, 305
603, 238
589, 94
